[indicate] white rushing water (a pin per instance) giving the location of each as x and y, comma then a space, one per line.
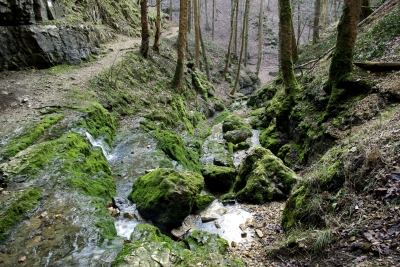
100, 144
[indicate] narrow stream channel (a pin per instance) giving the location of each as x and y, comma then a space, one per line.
134, 153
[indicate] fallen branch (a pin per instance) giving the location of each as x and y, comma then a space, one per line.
378, 66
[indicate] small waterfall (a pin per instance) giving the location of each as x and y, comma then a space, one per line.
100, 144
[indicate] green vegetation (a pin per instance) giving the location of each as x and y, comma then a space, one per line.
218, 178
146, 241
27, 201
29, 136
166, 196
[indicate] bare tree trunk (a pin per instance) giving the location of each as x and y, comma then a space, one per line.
366, 9
241, 48
285, 44
260, 36
298, 23
317, 11
144, 48
203, 49
197, 32
323, 19
342, 58
178, 76
189, 16
213, 21
246, 36
170, 10
207, 22
156, 46
236, 30
228, 55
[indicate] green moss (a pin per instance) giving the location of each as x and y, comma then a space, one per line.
241, 146
174, 147
166, 196
27, 201
221, 117
204, 242
98, 122
107, 229
202, 85
203, 201
233, 122
29, 136
218, 178
300, 209
269, 138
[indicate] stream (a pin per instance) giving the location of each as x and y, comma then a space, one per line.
134, 153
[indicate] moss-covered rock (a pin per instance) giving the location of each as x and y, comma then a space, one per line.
263, 177
237, 136
9, 217
203, 201
223, 160
148, 247
202, 85
302, 208
173, 145
218, 178
271, 138
233, 122
166, 196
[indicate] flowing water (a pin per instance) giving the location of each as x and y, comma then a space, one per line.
134, 153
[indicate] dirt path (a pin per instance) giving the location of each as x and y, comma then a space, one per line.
22, 93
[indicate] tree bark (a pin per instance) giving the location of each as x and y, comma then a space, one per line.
189, 28
236, 30
317, 11
295, 55
196, 34
156, 46
342, 58
241, 48
260, 36
203, 49
213, 21
228, 55
285, 44
170, 10
323, 17
246, 36
366, 9
144, 48
178, 76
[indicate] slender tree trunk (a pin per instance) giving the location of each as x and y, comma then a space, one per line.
206, 10
285, 44
295, 55
236, 30
156, 46
260, 36
196, 33
317, 11
241, 49
298, 23
189, 16
178, 76
342, 58
228, 55
144, 48
213, 21
323, 19
170, 10
246, 36
203, 49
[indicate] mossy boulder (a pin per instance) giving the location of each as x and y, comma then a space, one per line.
223, 160
203, 201
272, 139
202, 85
237, 136
218, 178
233, 122
148, 247
263, 177
166, 196
302, 208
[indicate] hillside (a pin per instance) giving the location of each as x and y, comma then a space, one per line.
93, 137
